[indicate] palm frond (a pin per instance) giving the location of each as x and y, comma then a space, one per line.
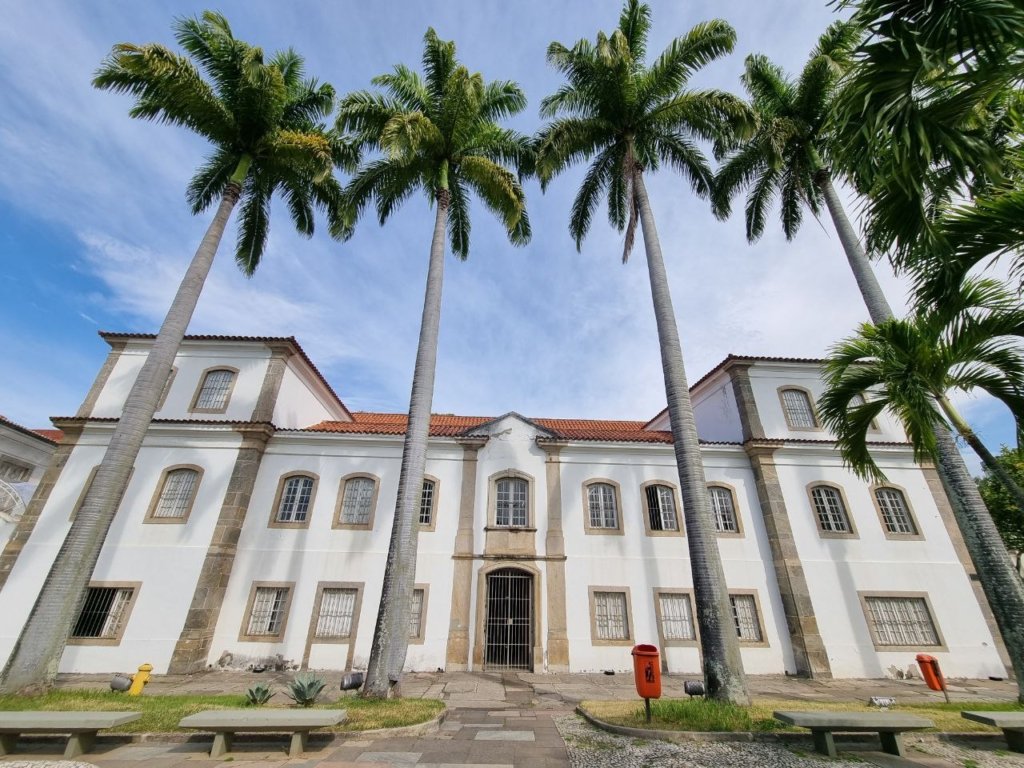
253, 223
209, 181
458, 219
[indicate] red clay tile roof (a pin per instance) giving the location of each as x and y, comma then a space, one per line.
49, 435
53, 435
449, 425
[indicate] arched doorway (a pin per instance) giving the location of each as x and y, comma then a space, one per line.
508, 620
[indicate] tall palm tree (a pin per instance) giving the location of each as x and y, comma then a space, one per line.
632, 118
263, 119
907, 366
438, 133
788, 154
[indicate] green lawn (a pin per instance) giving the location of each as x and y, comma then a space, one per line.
701, 715
162, 713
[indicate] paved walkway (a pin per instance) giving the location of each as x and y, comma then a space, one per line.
514, 720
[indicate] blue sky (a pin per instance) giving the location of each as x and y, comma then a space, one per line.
95, 233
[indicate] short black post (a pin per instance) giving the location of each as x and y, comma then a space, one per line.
647, 706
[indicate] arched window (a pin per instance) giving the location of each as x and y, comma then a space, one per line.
723, 509
176, 495
512, 503
295, 499
602, 506
829, 510
358, 501
660, 508
895, 513
796, 404
215, 390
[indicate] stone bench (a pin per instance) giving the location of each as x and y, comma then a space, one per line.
888, 725
81, 725
225, 723
1012, 724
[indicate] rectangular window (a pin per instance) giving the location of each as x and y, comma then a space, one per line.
337, 611
744, 614
676, 617
603, 510
610, 619
511, 509
427, 504
269, 609
104, 613
901, 621
416, 615
723, 509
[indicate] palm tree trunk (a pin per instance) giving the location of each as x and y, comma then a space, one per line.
720, 649
990, 462
391, 634
36, 656
874, 298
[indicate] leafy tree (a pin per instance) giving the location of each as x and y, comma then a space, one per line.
628, 118
438, 133
263, 119
1006, 512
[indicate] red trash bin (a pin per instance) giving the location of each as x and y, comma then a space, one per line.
647, 670
931, 673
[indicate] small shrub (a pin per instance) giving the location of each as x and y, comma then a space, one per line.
258, 695
304, 689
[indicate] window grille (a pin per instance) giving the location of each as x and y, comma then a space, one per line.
902, 621
676, 617
14, 473
416, 615
215, 390
610, 616
268, 611
799, 412
744, 613
357, 503
104, 613
895, 513
176, 495
603, 511
337, 609
829, 508
723, 509
661, 508
512, 507
295, 499
427, 503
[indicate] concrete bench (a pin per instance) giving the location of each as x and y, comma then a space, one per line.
81, 725
1012, 724
225, 723
888, 725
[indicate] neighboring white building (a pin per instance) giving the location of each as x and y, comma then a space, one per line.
24, 456
257, 519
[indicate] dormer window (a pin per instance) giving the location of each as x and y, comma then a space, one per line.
796, 404
214, 391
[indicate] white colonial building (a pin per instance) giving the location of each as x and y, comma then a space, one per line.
257, 519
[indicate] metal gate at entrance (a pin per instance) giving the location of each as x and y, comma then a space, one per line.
509, 624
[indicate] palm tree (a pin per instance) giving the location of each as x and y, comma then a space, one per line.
907, 366
263, 119
631, 118
438, 133
787, 156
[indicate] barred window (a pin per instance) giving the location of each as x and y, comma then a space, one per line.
427, 503
216, 388
104, 613
744, 614
295, 499
337, 610
603, 510
661, 508
269, 607
676, 617
357, 500
177, 493
830, 510
14, 473
798, 409
895, 512
724, 510
416, 615
513, 507
610, 618
901, 621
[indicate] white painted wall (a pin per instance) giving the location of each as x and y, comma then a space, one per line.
715, 410
299, 405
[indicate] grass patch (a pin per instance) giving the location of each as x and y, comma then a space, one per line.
162, 713
701, 715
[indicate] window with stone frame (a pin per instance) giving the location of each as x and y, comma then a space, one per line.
177, 494
602, 506
358, 499
745, 616
416, 614
661, 508
901, 621
676, 613
337, 613
896, 517
296, 499
268, 612
512, 502
723, 509
104, 614
796, 404
427, 503
611, 616
215, 391
830, 511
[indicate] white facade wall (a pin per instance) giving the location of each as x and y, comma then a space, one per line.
715, 411
303, 401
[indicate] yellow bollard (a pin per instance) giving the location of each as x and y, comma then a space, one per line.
140, 679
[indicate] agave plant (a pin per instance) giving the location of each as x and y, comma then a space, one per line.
258, 695
304, 689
